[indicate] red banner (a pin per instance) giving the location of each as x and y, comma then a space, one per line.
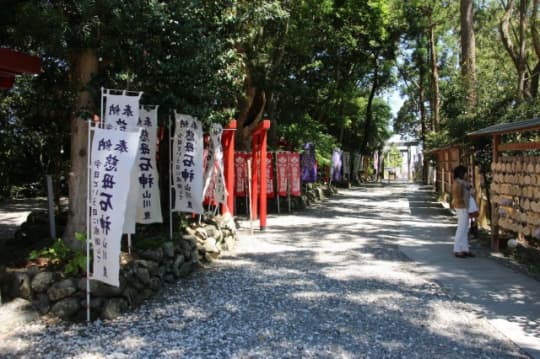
282, 160
209, 196
288, 174
270, 175
241, 173
294, 173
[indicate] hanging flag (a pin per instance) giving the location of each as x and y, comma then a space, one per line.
346, 165
214, 178
188, 175
149, 203
294, 173
121, 112
240, 173
282, 160
335, 168
113, 157
357, 161
309, 164
270, 193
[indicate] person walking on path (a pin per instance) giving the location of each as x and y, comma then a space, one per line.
460, 202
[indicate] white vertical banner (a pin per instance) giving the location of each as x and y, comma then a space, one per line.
214, 175
113, 157
357, 159
346, 164
149, 203
122, 113
188, 176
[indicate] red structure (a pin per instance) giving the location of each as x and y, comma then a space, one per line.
258, 195
14, 63
227, 141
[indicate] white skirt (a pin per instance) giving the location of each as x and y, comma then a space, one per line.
472, 205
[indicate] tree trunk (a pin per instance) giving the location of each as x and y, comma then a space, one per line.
369, 109
423, 122
468, 53
536, 45
84, 66
518, 55
435, 99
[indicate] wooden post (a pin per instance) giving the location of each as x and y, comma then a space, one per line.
254, 178
259, 149
495, 245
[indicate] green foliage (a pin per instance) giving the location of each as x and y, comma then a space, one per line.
394, 158
308, 130
72, 261
436, 140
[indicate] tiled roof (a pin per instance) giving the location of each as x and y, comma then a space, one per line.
501, 128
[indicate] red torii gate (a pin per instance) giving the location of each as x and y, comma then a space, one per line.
227, 141
258, 155
14, 63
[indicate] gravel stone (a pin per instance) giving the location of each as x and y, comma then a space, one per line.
328, 282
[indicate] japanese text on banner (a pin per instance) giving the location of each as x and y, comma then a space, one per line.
188, 176
122, 113
149, 206
112, 159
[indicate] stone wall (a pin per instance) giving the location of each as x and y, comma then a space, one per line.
142, 275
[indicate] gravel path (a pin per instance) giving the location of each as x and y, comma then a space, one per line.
326, 283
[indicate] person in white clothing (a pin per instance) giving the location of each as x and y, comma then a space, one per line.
460, 202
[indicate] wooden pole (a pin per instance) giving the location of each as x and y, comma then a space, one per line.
495, 245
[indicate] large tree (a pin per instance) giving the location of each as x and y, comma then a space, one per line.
468, 52
180, 58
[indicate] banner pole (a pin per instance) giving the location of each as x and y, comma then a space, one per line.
277, 182
249, 196
171, 165
88, 213
289, 182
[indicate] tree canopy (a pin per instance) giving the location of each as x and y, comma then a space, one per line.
318, 69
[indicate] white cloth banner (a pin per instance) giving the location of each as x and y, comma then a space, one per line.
112, 160
214, 175
357, 159
122, 113
188, 176
346, 164
149, 203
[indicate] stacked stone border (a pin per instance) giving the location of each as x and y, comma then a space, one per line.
142, 274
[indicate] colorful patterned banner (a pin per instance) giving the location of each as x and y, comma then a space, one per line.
309, 164
188, 176
282, 164
288, 174
270, 192
149, 206
240, 173
113, 157
294, 174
